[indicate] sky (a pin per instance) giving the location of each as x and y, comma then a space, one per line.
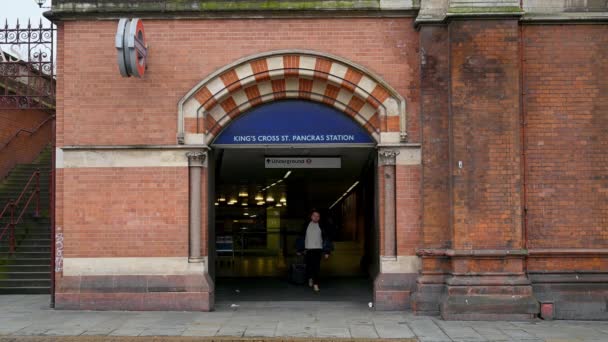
22, 9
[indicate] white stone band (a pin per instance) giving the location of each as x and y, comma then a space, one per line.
132, 266
81, 158
401, 264
409, 156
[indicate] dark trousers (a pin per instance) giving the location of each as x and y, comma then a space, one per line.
313, 264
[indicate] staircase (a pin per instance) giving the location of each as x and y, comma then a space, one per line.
28, 270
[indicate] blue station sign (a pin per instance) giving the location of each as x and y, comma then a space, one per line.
293, 122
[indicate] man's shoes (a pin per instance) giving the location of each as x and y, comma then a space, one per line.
316, 288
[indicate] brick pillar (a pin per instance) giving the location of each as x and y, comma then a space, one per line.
488, 279
434, 98
398, 265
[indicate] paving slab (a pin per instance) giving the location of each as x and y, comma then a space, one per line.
426, 330
460, 331
201, 332
26, 318
363, 331
260, 332
332, 332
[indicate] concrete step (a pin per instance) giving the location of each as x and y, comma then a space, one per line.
25, 290
27, 249
30, 242
26, 268
12, 283
28, 261
24, 255
36, 229
36, 235
22, 235
16, 187
13, 192
24, 228
44, 170
25, 275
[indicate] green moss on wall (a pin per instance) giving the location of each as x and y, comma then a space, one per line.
211, 6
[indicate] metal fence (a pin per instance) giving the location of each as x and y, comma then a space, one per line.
27, 66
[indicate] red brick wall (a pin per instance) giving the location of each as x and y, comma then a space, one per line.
434, 91
485, 134
409, 232
11, 120
566, 111
97, 106
25, 147
124, 212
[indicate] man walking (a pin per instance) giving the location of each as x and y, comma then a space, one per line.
316, 244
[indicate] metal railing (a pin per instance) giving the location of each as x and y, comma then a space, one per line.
27, 66
12, 149
28, 131
247, 241
15, 212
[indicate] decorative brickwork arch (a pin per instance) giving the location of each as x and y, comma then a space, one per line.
255, 80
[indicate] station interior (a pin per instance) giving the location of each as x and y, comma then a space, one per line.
259, 213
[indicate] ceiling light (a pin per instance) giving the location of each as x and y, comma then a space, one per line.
279, 205
261, 203
344, 194
269, 199
244, 204
283, 199
351, 187
259, 197
221, 199
217, 203
287, 174
243, 194
245, 214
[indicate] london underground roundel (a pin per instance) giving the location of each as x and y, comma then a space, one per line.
130, 42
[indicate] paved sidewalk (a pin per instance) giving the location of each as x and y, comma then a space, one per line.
30, 316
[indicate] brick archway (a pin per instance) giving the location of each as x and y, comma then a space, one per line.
231, 91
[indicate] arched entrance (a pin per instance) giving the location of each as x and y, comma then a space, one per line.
372, 109
269, 167
267, 77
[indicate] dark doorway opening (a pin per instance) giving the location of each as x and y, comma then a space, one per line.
258, 212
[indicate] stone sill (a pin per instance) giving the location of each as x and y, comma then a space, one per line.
561, 17
131, 147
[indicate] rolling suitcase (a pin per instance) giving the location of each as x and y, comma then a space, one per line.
297, 272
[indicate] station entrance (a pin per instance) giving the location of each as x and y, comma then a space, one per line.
263, 195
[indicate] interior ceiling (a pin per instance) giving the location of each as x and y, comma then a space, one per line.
245, 168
